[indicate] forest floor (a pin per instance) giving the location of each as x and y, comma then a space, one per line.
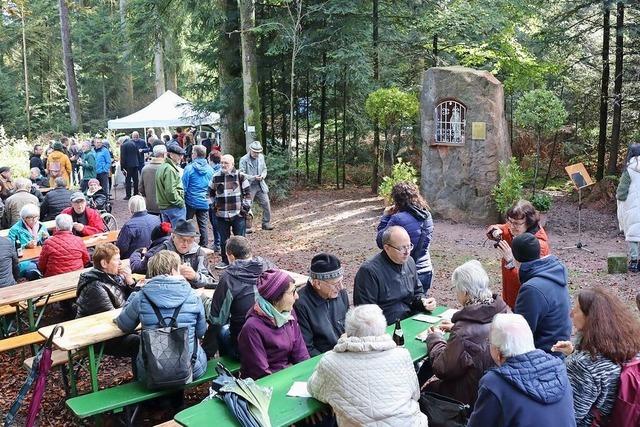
344, 222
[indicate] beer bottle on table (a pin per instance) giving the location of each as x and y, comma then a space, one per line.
19, 250
398, 335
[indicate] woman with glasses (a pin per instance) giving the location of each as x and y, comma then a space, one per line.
30, 232
411, 212
522, 217
270, 339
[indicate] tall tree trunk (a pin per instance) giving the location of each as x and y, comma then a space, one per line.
171, 59
264, 117
604, 90
251, 97
335, 134
297, 134
158, 65
26, 72
69, 71
344, 126
323, 115
376, 78
308, 127
127, 48
272, 107
283, 125
617, 92
434, 44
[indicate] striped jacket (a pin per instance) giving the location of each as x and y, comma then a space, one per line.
594, 383
230, 194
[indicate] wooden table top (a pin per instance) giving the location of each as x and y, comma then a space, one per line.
51, 225
80, 333
108, 237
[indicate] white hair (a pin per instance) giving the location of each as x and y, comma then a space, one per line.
365, 321
64, 222
159, 150
137, 204
29, 210
35, 170
470, 278
23, 184
511, 334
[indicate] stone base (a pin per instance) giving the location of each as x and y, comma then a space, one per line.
616, 263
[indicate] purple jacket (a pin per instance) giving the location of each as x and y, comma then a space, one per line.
265, 349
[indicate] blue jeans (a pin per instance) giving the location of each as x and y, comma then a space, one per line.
226, 346
172, 215
425, 279
238, 224
203, 227
213, 219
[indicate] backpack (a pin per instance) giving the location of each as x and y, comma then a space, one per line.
626, 409
55, 169
165, 351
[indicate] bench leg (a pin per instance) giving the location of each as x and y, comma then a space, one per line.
93, 368
130, 413
72, 375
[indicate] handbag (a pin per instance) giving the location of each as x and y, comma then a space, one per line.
443, 411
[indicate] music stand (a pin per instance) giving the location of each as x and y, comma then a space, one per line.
580, 179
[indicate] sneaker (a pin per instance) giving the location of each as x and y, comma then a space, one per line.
267, 227
221, 265
634, 266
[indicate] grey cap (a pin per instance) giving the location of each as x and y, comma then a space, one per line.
174, 147
256, 146
77, 196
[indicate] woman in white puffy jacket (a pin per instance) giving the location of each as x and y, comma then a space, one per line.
366, 378
628, 195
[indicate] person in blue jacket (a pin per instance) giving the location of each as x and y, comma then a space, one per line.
195, 180
411, 212
167, 289
136, 233
103, 164
543, 299
528, 388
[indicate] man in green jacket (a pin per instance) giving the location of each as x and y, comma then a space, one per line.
169, 189
88, 162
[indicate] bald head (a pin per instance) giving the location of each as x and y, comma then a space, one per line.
135, 135
397, 244
227, 162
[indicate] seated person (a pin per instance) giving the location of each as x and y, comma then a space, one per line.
96, 197
602, 347
322, 304
366, 378
390, 280
270, 339
460, 362
30, 232
37, 179
9, 270
17, 200
106, 287
86, 221
136, 232
7, 185
194, 264
529, 388
166, 288
63, 252
234, 297
56, 200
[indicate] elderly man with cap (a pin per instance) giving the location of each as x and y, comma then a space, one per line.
7, 186
86, 221
194, 263
271, 339
254, 167
390, 280
169, 188
322, 304
148, 178
543, 299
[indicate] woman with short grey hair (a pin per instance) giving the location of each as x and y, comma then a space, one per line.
363, 370
30, 232
459, 362
136, 233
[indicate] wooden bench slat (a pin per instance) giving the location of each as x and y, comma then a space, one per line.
116, 398
58, 357
20, 341
169, 423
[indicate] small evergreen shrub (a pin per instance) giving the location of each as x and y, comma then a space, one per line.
509, 189
542, 202
401, 172
279, 173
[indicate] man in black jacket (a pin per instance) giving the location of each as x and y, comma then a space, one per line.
322, 305
129, 164
233, 298
56, 200
35, 161
390, 280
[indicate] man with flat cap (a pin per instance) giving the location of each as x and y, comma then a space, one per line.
322, 304
254, 167
169, 189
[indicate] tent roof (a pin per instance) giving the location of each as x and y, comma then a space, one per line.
167, 110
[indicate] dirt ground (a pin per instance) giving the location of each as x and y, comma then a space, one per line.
344, 222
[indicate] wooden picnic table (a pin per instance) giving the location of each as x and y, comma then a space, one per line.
51, 225
285, 410
89, 241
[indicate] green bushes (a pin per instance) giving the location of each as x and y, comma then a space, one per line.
541, 201
509, 189
402, 172
279, 176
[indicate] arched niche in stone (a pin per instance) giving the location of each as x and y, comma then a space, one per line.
449, 117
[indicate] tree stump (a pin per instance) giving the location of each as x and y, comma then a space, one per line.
616, 263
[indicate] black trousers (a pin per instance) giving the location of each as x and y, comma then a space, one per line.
202, 217
132, 175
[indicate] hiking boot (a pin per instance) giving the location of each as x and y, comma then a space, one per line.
267, 227
221, 265
633, 266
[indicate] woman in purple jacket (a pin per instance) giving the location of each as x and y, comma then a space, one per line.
270, 339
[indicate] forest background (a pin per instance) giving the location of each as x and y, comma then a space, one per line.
302, 71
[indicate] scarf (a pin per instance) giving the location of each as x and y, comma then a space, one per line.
266, 309
33, 231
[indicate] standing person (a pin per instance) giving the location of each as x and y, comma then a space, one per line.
129, 164
232, 201
141, 150
75, 156
88, 166
148, 178
195, 180
58, 165
254, 167
411, 212
179, 136
628, 195
169, 189
35, 160
206, 141
214, 162
188, 149
103, 164
522, 217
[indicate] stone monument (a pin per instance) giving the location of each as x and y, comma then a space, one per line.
464, 137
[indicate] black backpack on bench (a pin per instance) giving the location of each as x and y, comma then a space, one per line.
167, 359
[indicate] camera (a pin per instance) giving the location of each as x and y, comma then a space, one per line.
497, 236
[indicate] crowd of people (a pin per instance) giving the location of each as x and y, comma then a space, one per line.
509, 357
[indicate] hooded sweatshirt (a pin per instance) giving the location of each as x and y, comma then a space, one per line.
195, 180
528, 390
544, 302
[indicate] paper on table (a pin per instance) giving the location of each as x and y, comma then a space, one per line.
298, 389
448, 314
426, 318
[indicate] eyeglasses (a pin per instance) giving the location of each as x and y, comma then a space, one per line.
293, 291
337, 285
516, 223
403, 249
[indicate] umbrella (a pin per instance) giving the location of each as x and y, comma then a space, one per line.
39, 370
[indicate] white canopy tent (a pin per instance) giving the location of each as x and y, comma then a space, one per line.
167, 110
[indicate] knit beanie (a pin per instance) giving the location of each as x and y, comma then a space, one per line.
525, 247
273, 283
325, 267
162, 230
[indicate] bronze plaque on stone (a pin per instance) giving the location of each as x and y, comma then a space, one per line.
478, 130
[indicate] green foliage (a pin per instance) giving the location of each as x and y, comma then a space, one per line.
15, 154
392, 107
541, 111
279, 179
402, 172
541, 201
509, 189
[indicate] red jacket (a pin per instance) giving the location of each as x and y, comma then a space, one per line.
62, 253
94, 225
